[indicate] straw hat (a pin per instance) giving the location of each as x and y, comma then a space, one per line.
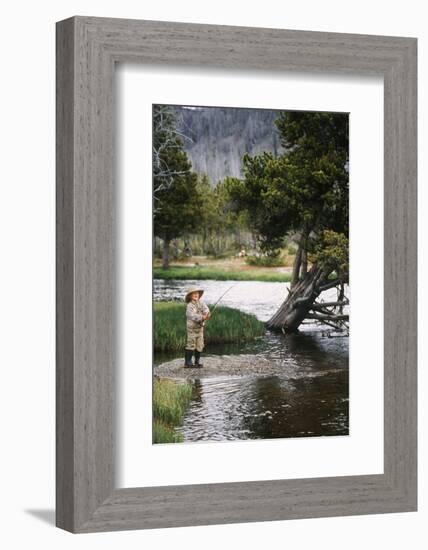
191, 291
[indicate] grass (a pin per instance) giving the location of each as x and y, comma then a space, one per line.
165, 434
207, 272
265, 261
227, 325
170, 401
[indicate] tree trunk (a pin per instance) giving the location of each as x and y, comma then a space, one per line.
304, 268
165, 254
238, 236
299, 301
296, 267
204, 241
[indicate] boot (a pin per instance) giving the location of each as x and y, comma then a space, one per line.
198, 363
188, 353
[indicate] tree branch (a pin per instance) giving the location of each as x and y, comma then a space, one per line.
332, 325
324, 317
330, 284
322, 305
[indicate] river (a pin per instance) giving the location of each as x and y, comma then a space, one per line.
308, 394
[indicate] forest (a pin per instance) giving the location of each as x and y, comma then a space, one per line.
284, 218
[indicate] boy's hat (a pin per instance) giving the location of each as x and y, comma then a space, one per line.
191, 291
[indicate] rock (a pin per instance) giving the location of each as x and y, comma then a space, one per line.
218, 152
221, 365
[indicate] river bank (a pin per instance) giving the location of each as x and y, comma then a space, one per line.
216, 274
231, 269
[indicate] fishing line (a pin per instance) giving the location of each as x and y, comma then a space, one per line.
224, 294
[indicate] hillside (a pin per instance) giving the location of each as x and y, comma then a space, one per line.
217, 137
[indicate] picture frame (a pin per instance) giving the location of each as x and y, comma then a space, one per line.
87, 50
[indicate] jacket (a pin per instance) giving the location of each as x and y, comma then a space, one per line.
194, 313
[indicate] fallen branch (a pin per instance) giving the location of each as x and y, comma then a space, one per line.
322, 305
329, 285
332, 325
321, 317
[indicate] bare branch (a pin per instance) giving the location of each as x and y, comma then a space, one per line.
325, 317
169, 138
323, 305
329, 285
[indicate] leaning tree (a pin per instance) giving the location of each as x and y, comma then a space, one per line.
303, 192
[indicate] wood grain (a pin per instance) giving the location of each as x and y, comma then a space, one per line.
87, 50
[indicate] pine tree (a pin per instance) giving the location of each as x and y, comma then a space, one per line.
305, 192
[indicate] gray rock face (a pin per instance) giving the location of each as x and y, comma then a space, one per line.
215, 138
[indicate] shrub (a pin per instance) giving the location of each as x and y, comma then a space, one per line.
265, 261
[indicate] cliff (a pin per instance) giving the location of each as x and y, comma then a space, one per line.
215, 138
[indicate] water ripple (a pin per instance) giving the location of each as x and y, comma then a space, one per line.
303, 392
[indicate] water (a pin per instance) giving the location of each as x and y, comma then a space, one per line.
261, 299
307, 396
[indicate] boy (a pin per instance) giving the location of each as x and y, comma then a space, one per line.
197, 313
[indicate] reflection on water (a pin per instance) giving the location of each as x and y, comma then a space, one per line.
310, 398
264, 408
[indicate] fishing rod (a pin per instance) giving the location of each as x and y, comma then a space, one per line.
221, 297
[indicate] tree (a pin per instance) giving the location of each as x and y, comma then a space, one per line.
177, 202
329, 269
304, 192
318, 145
265, 195
209, 212
167, 153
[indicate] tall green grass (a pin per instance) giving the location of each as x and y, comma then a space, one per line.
227, 325
170, 401
207, 272
165, 434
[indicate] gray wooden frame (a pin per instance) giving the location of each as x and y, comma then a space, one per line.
87, 50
